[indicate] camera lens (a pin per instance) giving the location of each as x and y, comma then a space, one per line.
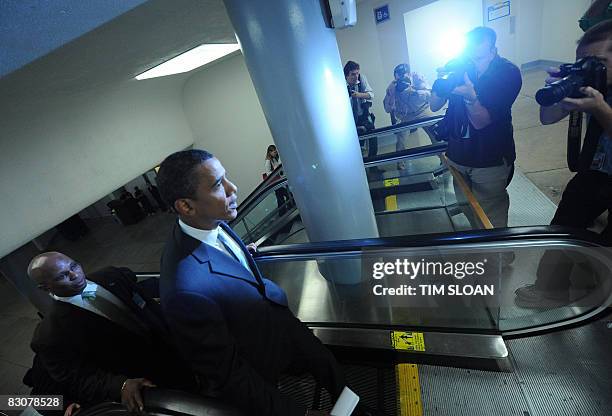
557, 91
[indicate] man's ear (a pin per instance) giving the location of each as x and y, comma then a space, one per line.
183, 206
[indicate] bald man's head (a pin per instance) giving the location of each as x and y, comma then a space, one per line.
57, 273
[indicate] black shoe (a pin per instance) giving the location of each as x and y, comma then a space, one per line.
363, 410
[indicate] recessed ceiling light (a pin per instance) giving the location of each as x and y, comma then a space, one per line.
192, 59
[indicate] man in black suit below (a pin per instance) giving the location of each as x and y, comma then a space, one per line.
232, 325
101, 339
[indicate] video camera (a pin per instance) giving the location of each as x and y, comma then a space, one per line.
586, 72
454, 71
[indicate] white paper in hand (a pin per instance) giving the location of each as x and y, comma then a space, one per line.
346, 403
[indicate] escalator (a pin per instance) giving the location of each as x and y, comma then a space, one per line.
445, 355
417, 198
469, 350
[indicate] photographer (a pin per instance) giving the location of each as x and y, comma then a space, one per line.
406, 99
589, 193
360, 94
478, 123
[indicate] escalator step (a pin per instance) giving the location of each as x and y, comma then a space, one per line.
376, 387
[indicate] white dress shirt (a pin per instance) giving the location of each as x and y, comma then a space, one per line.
212, 238
106, 305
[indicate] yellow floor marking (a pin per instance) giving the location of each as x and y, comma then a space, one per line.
409, 390
391, 200
391, 203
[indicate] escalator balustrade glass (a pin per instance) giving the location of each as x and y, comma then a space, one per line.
462, 287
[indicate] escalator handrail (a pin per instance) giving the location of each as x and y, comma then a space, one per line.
396, 128
413, 153
495, 235
272, 178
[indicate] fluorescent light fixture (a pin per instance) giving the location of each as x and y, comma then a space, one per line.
192, 59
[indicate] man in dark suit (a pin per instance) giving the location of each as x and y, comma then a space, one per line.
101, 340
230, 323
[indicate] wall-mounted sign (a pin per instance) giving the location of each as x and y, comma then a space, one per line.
498, 10
381, 14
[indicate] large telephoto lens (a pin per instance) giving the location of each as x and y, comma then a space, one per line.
558, 90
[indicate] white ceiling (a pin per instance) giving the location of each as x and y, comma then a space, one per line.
120, 49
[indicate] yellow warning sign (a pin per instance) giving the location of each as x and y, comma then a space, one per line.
408, 341
391, 182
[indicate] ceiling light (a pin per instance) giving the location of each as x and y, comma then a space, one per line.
192, 59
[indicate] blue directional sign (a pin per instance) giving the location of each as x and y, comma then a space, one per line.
381, 14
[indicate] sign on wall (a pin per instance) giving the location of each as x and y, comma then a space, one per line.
381, 13
498, 10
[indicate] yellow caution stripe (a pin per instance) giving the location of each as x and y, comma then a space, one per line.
391, 200
391, 203
409, 388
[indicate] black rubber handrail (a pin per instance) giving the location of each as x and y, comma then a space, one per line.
495, 235
266, 182
413, 153
395, 128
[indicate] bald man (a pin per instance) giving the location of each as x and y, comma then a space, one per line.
101, 340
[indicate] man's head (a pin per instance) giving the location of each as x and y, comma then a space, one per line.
193, 182
597, 41
480, 47
401, 71
57, 273
351, 72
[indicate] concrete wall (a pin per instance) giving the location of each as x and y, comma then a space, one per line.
60, 153
378, 48
560, 30
224, 113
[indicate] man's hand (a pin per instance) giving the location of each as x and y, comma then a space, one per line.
552, 72
466, 90
72, 409
131, 396
252, 248
592, 103
363, 95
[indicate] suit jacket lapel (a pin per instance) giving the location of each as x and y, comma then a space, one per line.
248, 255
219, 262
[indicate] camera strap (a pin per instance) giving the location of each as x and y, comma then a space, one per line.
589, 147
579, 158
574, 139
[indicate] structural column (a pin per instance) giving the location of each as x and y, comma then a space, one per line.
295, 65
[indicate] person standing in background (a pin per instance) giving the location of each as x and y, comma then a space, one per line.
282, 194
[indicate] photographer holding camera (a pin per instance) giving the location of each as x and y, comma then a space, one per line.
406, 99
589, 193
360, 94
481, 87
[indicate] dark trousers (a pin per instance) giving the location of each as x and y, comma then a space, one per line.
586, 196
282, 200
307, 354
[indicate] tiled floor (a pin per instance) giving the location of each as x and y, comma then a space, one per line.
540, 156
